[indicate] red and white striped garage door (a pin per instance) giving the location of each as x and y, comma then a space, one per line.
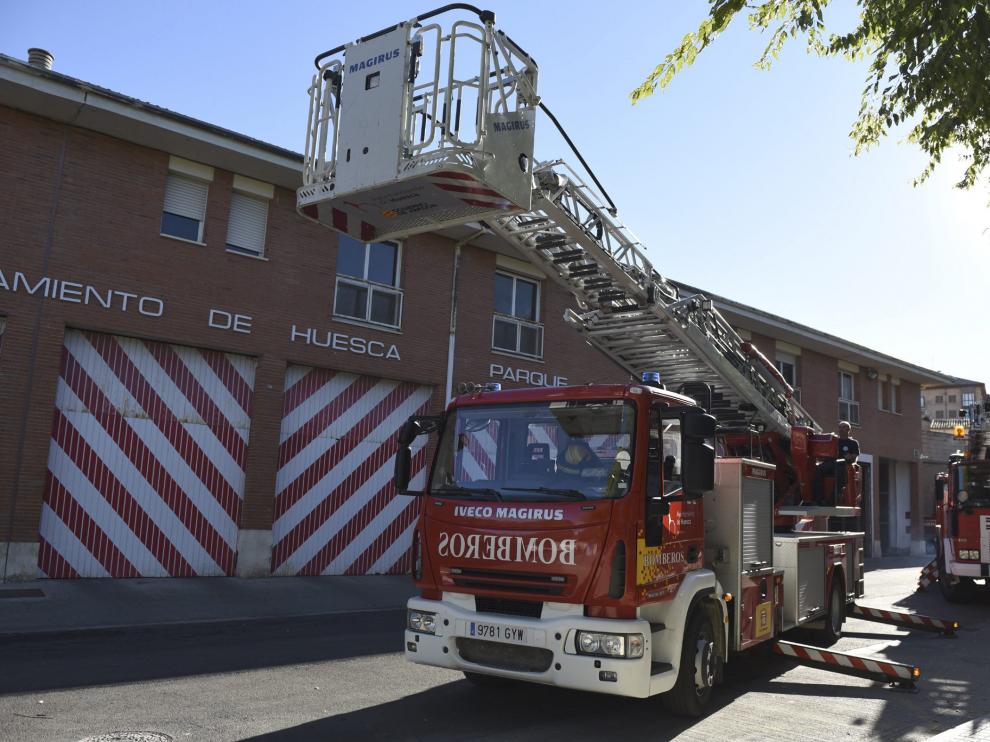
336, 511
146, 465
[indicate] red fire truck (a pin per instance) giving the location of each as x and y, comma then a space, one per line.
626, 539
962, 520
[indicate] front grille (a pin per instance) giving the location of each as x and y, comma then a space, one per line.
504, 656
518, 582
527, 608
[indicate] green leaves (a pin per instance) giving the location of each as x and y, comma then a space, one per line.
930, 57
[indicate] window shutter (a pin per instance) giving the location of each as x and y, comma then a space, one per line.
248, 222
185, 197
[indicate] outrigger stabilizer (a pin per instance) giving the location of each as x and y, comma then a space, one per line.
929, 574
885, 671
946, 627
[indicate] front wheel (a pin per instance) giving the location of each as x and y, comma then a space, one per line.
699, 663
954, 589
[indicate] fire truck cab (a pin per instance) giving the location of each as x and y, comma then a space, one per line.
962, 526
587, 537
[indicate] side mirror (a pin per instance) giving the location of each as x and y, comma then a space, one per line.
403, 470
411, 429
697, 456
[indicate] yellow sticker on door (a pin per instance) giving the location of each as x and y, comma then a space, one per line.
764, 621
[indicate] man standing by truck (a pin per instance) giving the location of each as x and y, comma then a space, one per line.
848, 453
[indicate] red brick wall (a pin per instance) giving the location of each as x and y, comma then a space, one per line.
105, 232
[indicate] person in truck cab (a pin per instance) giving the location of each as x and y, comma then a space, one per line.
578, 460
848, 453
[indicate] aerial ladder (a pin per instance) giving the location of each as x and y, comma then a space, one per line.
439, 132
438, 147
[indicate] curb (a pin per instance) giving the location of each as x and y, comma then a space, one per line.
386, 614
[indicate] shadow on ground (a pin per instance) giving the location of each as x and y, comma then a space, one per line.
459, 710
151, 654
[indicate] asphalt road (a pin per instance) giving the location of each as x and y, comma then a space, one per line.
345, 679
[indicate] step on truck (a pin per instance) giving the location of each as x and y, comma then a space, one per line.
627, 539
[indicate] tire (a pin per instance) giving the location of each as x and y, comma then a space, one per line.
699, 666
954, 589
835, 614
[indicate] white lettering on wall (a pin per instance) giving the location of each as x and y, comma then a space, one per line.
73, 292
345, 343
525, 376
221, 320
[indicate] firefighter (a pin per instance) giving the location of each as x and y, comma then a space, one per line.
848, 454
578, 460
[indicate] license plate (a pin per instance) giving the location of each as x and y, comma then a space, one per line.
497, 632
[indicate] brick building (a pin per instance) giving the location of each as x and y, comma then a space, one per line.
199, 382
159, 293
944, 401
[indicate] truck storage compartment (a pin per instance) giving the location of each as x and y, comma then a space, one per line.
803, 562
739, 545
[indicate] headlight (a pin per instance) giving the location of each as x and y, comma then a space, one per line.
962, 496
610, 645
424, 622
969, 554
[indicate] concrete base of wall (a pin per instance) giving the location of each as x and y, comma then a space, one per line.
20, 562
877, 551
254, 554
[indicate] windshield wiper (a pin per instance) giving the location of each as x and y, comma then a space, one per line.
563, 492
468, 491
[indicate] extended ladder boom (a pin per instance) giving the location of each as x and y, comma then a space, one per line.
421, 126
634, 315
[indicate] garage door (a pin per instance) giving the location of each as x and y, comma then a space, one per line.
335, 507
146, 464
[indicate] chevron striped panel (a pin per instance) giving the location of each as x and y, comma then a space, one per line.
146, 463
336, 511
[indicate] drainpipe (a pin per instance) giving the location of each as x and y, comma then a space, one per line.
452, 330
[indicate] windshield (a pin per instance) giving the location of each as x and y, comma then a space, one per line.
974, 481
537, 451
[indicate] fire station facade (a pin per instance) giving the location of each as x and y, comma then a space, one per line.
197, 381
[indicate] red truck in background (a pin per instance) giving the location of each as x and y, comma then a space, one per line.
962, 520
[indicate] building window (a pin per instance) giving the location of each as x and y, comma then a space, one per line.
952, 398
883, 395
516, 325
939, 399
247, 223
367, 287
968, 399
185, 207
895, 398
848, 406
787, 365
939, 414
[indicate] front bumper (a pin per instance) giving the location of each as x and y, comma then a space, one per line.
549, 642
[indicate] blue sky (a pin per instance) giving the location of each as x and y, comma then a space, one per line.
740, 181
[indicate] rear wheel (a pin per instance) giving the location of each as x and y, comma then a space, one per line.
835, 616
699, 666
